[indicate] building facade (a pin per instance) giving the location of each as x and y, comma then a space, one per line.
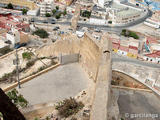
46, 7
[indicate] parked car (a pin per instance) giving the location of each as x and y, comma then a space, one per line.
56, 28
18, 45
45, 21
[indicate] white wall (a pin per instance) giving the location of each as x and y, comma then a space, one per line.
97, 21
120, 52
101, 3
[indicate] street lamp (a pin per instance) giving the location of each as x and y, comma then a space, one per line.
16, 62
17, 69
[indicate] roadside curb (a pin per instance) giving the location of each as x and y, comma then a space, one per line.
30, 77
128, 88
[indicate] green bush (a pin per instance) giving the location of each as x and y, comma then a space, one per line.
57, 7
64, 12
48, 15
127, 33
54, 11
17, 98
58, 16
69, 107
110, 22
10, 6
86, 14
24, 11
134, 35
27, 55
41, 33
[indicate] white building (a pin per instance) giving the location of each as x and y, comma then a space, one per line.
46, 7
13, 36
33, 12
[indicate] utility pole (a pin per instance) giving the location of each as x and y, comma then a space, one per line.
17, 69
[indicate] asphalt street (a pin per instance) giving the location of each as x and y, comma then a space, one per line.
136, 105
118, 58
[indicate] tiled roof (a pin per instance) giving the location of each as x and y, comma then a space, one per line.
124, 48
154, 55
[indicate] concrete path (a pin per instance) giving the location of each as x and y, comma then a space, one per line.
136, 105
60, 83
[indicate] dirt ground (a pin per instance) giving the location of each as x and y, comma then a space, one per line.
121, 79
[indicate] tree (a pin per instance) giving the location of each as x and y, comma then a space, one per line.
48, 15
86, 14
10, 6
41, 33
54, 11
110, 22
57, 7
24, 11
64, 12
58, 16
134, 35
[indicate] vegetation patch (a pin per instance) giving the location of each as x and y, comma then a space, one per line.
69, 107
86, 14
48, 15
58, 16
27, 55
128, 33
41, 33
24, 11
5, 50
17, 99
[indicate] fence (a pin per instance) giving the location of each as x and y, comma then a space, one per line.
65, 59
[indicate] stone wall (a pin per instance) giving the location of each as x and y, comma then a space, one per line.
96, 60
89, 51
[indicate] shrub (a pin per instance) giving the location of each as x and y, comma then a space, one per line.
58, 16
41, 33
41, 68
48, 15
5, 50
69, 107
10, 6
57, 7
27, 55
64, 12
110, 22
134, 35
127, 33
30, 63
86, 14
24, 11
54, 11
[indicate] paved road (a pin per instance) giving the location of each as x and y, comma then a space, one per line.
102, 27
138, 102
55, 85
118, 58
